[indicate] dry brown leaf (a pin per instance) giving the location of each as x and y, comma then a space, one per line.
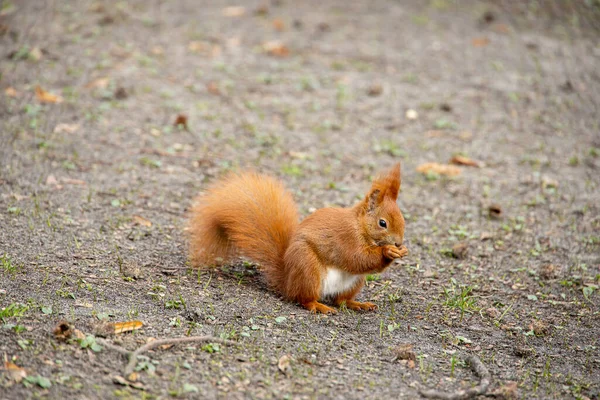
142, 221
47, 97
66, 128
133, 377
14, 372
495, 211
100, 83
63, 330
128, 326
11, 92
278, 25
276, 48
181, 121
480, 42
234, 11
441, 169
460, 160
405, 351
284, 363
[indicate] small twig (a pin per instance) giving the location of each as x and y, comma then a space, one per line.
149, 346
113, 347
480, 370
133, 355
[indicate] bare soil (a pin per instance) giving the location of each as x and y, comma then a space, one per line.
504, 259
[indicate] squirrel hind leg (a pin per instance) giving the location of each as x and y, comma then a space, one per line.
347, 299
316, 307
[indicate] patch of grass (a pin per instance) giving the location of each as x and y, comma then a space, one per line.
7, 264
460, 297
14, 310
292, 170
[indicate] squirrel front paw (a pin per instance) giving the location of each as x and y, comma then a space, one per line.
392, 252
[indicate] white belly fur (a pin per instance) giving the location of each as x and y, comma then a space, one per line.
337, 281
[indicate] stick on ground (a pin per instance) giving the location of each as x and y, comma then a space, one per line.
133, 355
480, 370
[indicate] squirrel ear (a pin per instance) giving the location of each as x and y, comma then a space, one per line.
373, 198
386, 185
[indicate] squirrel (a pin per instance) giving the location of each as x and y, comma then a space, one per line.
326, 256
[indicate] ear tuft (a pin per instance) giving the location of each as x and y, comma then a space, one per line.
388, 183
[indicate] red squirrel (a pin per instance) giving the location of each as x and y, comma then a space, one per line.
326, 256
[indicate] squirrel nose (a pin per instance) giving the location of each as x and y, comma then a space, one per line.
398, 244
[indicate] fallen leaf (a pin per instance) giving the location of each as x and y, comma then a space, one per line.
234, 11
480, 42
100, 83
66, 128
47, 97
133, 377
460, 250
441, 169
276, 48
540, 328
405, 352
142, 221
278, 25
284, 363
549, 271
375, 90
181, 121
495, 210
14, 372
63, 330
460, 160
128, 326
124, 382
11, 92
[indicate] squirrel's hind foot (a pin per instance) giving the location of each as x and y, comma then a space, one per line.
359, 306
316, 307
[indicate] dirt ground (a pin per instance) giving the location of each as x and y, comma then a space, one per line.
96, 179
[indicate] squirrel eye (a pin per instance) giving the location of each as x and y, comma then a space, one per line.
382, 223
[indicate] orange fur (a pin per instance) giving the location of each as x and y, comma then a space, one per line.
254, 215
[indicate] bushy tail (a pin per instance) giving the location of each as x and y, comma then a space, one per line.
247, 214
